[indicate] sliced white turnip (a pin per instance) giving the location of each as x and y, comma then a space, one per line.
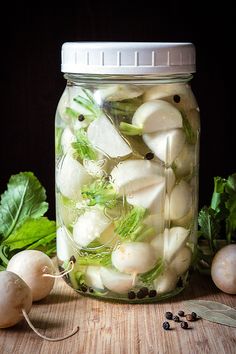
71, 177
133, 257
67, 138
193, 116
182, 261
170, 179
186, 220
151, 198
67, 211
90, 226
65, 247
174, 239
118, 92
103, 136
166, 145
157, 115
185, 161
131, 175
180, 201
157, 221
31, 265
93, 277
158, 244
179, 94
166, 282
16, 302
69, 103
115, 281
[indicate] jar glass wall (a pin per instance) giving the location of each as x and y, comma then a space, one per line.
127, 184
127, 142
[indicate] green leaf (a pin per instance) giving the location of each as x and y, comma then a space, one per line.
210, 225
231, 184
191, 136
100, 192
218, 193
24, 198
130, 129
130, 226
123, 109
152, 274
72, 113
32, 234
95, 259
58, 134
213, 311
82, 146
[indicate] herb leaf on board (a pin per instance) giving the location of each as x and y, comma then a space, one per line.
213, 311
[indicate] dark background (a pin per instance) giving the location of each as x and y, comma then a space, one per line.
32, 83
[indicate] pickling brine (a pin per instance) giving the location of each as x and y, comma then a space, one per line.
127, 182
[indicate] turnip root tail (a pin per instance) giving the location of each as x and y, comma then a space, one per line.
75, 330
61, 274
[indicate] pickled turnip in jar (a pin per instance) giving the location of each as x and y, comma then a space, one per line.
127, 147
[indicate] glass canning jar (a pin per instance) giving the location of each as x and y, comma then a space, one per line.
127, 146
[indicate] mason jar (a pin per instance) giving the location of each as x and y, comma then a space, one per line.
127, 146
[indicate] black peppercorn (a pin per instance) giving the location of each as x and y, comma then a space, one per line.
149, 156
81, 117
91, 290
131, 295
84, 288
141, 294
166, 325
169, 315
152, 293
181, 313
194, 315
184, 325
145, 291
176, 318
176, 98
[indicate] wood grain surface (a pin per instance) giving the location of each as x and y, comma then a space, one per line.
107, 328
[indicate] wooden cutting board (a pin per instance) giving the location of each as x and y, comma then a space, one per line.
107, 328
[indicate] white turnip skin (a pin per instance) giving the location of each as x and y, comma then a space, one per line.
31, 265
116, 281
133, 257
15, 296
223, 269
16, 302
157, 115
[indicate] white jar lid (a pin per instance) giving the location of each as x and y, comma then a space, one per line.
124, 58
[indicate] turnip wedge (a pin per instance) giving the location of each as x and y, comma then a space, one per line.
133, 257
174, 239
90, 226
151, 198
116, 281
131, 175
153, 116
118, 92
71, 177
103, 136
178, 94
166, 144
180, 201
